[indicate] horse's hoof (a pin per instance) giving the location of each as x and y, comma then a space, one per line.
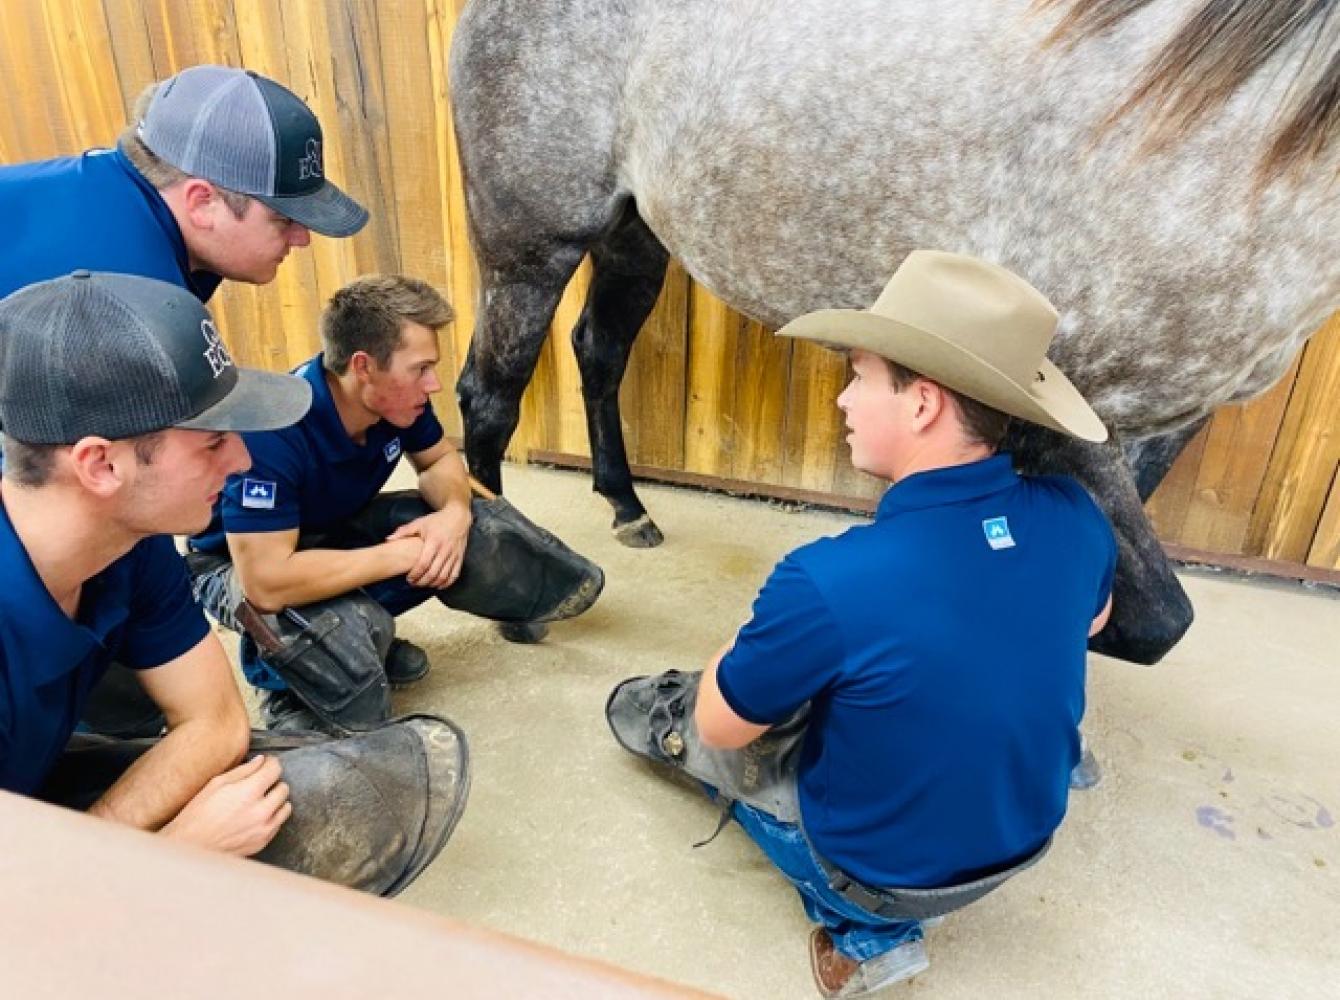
639, 534
523, 633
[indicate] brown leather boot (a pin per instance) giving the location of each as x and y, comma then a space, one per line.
833, 971
836, 975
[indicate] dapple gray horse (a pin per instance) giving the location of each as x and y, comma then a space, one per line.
1161, 169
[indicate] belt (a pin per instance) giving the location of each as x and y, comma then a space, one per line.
920, 904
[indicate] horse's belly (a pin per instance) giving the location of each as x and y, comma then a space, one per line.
784, 192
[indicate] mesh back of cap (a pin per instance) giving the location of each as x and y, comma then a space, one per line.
62, 378
211, 122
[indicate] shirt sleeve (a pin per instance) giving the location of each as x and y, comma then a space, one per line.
164, 621
425, 432
788, 651
1101, 541
1110, 567
268, 496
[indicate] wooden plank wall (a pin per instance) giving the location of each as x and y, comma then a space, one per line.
708, 391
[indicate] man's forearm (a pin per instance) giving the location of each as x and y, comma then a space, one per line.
156, 787
445, 482
317, 574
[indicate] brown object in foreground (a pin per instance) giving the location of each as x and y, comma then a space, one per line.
832, 969
96, 909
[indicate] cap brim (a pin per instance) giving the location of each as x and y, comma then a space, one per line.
260, 401
1050, 400
328, 211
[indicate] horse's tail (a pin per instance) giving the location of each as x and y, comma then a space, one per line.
1217, 49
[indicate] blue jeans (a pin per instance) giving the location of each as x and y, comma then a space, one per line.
857, 933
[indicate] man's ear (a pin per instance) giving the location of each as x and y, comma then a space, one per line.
200, 199
931, 403
362, 365
99, 465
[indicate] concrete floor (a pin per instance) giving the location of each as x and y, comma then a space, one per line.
1206, 864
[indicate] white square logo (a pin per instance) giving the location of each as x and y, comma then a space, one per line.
997, 531
258, 494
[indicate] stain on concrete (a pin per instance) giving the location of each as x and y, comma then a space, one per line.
1301, 811
1214, 818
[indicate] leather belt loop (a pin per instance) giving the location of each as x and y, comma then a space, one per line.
854, 892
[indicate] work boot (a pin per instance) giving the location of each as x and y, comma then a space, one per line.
282, 712
405, 663
836, 975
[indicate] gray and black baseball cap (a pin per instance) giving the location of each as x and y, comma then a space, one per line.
247, 133
117, 355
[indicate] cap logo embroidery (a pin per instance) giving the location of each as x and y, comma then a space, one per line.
392, 449
310, 165
997, 530
258, 494
215, 352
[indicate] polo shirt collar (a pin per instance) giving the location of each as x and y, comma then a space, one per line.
201, 284
28, 607
952, 484
323, 419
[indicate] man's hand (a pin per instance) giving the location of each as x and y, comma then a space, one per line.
237, 812
444, 534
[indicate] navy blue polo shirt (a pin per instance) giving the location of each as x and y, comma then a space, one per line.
312, 475
94, 211
138, 611
942, 649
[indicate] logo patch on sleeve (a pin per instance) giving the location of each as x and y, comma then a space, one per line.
997, 530
258, 494
392, 449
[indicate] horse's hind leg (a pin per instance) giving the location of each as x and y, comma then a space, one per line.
1150, 610
517, 301
537, 130
628, 269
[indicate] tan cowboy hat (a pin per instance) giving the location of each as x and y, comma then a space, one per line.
970, 325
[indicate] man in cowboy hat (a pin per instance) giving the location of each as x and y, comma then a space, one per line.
936, 657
